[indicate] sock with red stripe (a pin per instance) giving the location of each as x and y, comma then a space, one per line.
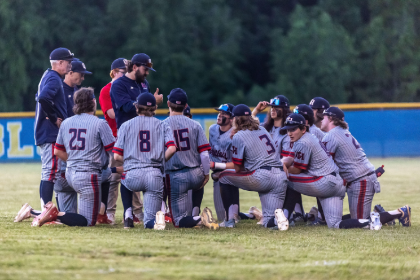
46, 191
127, 200
230, 196
73, 220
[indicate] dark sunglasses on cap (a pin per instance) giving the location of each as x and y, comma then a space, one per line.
148, 64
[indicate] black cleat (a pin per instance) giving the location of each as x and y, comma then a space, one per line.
298, 217
128, 223
378, 208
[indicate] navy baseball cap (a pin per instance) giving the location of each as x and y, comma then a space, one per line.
146, 99
334, 112
79, 67
304, 110
178, 96
241, 110
61, 54
319, 103
187, 111
279, 101
227, 108
143, 59
119, 63
293, 121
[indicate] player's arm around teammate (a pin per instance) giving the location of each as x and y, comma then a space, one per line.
355, 168
141, 147
257, 168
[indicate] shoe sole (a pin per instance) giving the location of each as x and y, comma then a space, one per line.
39, 221
18, 218
207, 221
160, 227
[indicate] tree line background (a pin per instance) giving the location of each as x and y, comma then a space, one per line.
238, 51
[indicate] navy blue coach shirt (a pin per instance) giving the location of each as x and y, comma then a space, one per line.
124, 92
51, 104
69, 94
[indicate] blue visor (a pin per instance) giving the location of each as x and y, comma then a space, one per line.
296, 111
224, 108
275, 101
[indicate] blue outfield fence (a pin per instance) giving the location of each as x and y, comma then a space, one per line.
381, 133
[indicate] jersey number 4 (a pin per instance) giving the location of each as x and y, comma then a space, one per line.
268, 143
179, 139
77, 133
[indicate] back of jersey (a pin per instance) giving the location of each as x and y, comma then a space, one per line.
141, 141
221, 144
311, 156
254, 149
348, 154
190, 141
84, 137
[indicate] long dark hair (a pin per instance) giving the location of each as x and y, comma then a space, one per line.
83, 101
269, 121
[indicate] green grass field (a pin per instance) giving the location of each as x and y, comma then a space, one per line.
246, 252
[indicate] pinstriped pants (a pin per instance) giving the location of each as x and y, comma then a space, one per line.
360, 194
330, 191
87, 185
150, 181
271, 186
50, 163
67, 196
218, 202
178, 183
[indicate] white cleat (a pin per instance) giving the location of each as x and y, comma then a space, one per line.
24, 213
256, 212
282, 221
375, 221
160, 223
111, 218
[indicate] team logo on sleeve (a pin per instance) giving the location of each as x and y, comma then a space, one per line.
234, 150
300, 155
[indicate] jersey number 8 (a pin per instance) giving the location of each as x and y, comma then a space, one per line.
144, 137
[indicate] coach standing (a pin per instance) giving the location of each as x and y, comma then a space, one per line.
124, 92
51, 110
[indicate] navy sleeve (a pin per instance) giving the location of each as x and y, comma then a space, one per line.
46, 97
129, 107
121, 97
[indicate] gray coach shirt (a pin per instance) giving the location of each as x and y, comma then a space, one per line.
312, 157
141, 141
347, 153
221, 144
254, 149
190, 141
84, 137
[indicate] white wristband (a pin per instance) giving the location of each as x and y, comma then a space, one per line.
219, 165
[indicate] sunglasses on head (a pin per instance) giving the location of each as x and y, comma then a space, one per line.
148, 64
225, 108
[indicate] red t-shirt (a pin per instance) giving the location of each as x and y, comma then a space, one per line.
106, 104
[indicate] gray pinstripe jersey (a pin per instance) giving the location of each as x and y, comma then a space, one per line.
104, 160
286, 146
312, 157
347, 153
254, 149
318, 133
142, 142
190, 141
221, 145
84, 137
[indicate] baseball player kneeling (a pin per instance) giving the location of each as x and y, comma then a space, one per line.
141, 147
81, 141
355, 168
314, 173
257, 168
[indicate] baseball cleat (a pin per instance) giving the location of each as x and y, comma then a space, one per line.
160, 223
313, 214
256, 212
168, 218
24, 213
228, 224
282, 222
237, 218
375, 221
128, 223
298, 217
317, 222
405, 218
207, 219
138, 219
103, 219
111, 218
52, 223
49, 214
378, 208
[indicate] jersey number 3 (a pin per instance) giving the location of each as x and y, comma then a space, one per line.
268, 143
179, 138
77, 133
355, 143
